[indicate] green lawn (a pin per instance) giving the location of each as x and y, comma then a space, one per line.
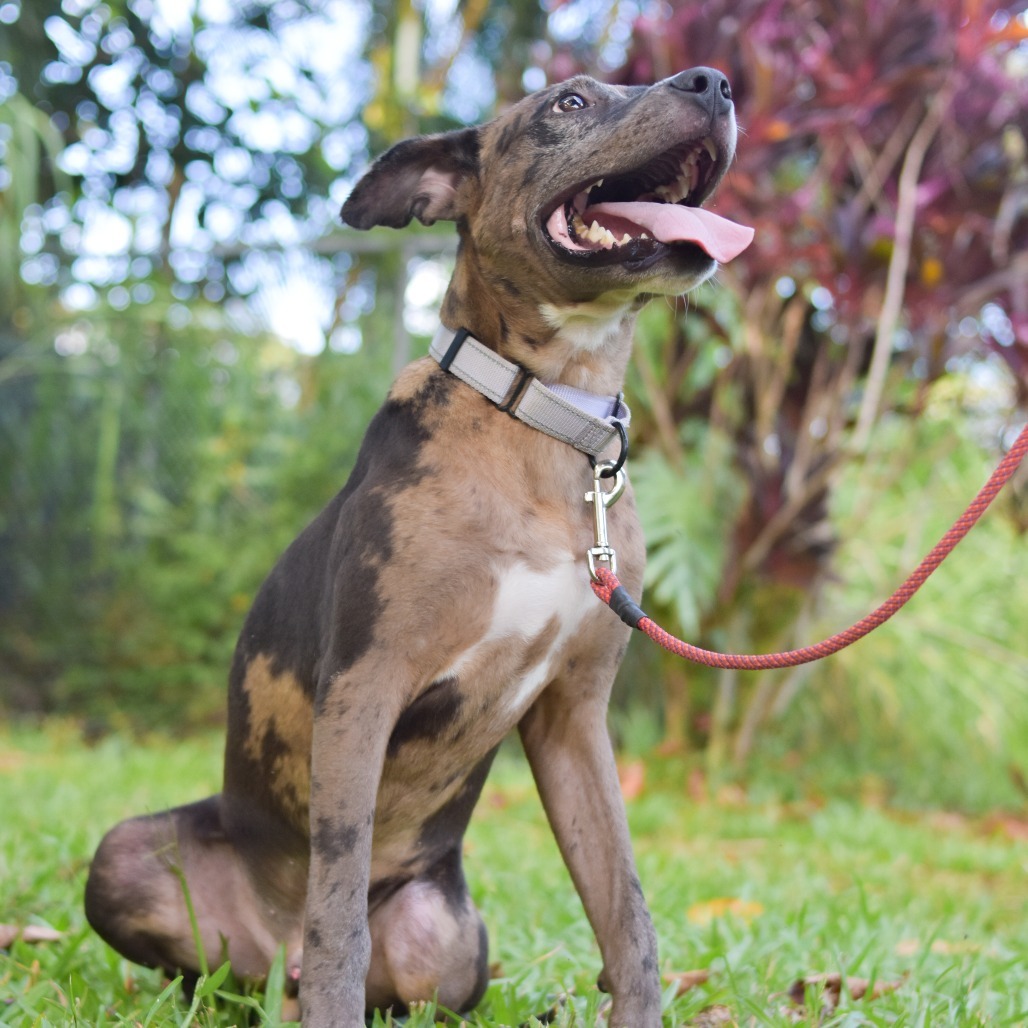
757, 894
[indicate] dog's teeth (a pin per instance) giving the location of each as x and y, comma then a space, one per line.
601, 236
645, 235
711, 148
626, 239
672, 192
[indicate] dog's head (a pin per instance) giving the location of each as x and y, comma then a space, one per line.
580, 192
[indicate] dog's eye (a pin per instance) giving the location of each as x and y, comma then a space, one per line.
570, 102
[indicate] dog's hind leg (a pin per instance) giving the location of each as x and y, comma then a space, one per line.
142, 874
427, 941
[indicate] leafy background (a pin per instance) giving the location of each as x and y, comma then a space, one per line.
190, 347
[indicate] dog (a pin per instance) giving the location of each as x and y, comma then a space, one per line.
442, 598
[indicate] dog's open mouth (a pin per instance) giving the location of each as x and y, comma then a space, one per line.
625, 218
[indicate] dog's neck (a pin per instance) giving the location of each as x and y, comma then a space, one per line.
586, 345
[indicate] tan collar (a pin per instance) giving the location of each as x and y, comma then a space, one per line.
588, 422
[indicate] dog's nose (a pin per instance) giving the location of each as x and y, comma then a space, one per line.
708, 87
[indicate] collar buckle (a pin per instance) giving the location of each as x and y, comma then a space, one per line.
517, 390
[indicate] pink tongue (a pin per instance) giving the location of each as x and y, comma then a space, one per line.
672, 223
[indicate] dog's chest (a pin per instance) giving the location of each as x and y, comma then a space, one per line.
536, 612
534, 620
538, 618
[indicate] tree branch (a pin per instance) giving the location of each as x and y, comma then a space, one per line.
899, 263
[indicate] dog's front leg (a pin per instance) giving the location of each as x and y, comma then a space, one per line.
566, 740
351, 731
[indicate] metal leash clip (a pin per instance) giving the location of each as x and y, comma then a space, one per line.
601, 499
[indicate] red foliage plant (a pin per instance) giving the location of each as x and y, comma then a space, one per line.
882, 161
831, 95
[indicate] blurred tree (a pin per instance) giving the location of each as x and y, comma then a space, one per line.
158, 446
195, 132
186, 134
157, 161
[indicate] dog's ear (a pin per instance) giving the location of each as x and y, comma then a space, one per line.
419, 178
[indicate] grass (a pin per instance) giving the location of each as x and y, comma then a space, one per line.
759, 894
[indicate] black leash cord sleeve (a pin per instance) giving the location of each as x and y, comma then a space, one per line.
625, 607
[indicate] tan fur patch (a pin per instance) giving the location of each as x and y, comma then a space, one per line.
280, 709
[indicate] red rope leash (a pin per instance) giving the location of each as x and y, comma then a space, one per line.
610, 590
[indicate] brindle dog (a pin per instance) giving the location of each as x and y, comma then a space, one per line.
442, 598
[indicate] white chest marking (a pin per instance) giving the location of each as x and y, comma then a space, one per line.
526, 601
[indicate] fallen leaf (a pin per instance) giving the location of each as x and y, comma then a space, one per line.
795, 1015
1013, 828
11, 761
633, 778
670, 748
832, 983
708, 910
949, 949
27, 933
948, 821
551, 1015
911, 947
731, 795
686, 980
874, 792
711, 1017
696, 786
497, 799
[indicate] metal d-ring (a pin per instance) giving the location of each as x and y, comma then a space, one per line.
612, 467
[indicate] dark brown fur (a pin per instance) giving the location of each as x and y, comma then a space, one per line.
439, 601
